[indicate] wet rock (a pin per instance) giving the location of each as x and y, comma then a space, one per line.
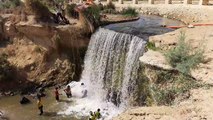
9, 93
28, 89
24, 100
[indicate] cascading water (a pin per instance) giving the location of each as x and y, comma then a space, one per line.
109, 74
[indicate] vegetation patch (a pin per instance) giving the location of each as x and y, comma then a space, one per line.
110, 5
109, 8
183, 57
129, 12
151, 46
161, 87
40, 11
70, 10
93, 14
7, 4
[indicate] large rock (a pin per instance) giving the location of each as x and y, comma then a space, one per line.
52, 37
155, 58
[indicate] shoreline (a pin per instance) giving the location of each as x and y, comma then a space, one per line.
186, 13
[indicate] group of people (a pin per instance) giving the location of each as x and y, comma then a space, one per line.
67, 91
95, 115
56, 93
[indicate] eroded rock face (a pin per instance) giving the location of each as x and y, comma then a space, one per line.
2, 29
53, 37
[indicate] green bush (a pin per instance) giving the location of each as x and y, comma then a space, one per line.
110, 5
70, 10
183, 57
9, 4
59, 1
93, 14
151, 46
109, 8
129, 12
40, 11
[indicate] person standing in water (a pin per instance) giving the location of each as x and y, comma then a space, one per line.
98, 114
40, 105
56, 94
84, 91
68, 92
92, 116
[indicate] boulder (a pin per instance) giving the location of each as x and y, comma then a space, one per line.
24, 100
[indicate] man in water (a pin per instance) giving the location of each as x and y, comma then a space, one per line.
84, 91
108, 95
68, 92
56, 94
92, 116
98, 114
40, 105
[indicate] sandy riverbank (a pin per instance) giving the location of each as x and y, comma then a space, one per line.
185, 13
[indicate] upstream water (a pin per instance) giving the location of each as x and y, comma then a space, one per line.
110, 70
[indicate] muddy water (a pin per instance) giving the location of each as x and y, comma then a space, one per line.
12, 109
144, 27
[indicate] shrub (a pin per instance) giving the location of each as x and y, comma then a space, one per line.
109, 8
59, 1
183, 57
93, 14
151, 46
110, 5
9, 4
109, 11
70, 10
52, 3
129, 12
40, 11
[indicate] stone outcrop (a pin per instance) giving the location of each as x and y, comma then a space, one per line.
54, 37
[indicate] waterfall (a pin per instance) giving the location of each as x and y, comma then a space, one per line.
110, 70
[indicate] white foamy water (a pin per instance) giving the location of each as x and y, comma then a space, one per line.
110, 68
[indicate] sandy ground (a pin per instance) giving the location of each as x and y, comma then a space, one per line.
197, 107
